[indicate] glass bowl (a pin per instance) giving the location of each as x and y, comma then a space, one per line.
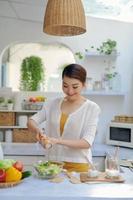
48, 169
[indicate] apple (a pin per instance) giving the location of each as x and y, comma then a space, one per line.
32, 99
18, 165
2, 175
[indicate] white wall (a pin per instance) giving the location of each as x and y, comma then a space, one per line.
98, 30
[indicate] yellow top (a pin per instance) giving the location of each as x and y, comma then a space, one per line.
70, 166
62, 122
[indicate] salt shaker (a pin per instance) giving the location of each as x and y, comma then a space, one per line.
46, 143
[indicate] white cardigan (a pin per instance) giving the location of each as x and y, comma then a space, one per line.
80, 124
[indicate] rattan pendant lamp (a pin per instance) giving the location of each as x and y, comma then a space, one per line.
64, 18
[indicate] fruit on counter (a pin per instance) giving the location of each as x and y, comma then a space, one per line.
2, 175
26, 174
12, 170
12, 174
6, 163
18, 165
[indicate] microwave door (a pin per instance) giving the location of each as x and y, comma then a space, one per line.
120, 136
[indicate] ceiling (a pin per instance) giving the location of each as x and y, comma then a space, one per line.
33, 10
29, 10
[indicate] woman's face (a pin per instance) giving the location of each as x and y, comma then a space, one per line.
72, 87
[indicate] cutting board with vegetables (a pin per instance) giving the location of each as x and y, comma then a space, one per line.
101, 178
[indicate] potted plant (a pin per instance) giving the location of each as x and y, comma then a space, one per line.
2, 103
2, 100
10, 104
32, 74
107, 47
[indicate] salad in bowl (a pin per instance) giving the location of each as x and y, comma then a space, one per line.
48, 169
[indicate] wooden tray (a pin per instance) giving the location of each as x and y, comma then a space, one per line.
10, 184
101, 178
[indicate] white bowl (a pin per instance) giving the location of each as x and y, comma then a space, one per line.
93, 173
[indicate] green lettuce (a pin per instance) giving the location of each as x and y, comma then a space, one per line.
6, 163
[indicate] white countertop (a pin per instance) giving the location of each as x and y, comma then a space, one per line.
33, 149
33, 188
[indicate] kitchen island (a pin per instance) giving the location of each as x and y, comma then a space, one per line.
33, 188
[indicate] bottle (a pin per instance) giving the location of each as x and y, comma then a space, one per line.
89, 83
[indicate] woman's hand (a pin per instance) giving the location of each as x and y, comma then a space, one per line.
41, 136
53, 140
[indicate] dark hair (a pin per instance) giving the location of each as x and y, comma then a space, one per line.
75, 71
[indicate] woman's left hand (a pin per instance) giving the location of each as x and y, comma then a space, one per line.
53, 140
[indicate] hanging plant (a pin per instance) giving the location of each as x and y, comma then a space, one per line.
32, 74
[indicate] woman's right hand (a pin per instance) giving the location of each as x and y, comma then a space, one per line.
40, 136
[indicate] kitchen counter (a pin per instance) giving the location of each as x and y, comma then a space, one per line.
33, 188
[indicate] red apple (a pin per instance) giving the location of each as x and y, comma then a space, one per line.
32, 99
18, 165
2, 175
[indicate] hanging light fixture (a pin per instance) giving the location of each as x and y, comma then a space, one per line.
64, 18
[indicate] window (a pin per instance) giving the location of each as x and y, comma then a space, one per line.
113, 9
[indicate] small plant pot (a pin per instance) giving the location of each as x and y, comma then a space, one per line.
10, 106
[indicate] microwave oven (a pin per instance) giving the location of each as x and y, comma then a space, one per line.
120, 134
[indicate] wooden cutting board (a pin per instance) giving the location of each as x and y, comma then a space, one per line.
101, 178
10, 184
126, 163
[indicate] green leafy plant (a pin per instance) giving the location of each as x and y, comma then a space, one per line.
79, 55
9, 100
2, 99
32, 73
110, 75
107, 47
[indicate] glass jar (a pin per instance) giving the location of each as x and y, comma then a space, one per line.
89, 83
116, 82
111, 167
97, 85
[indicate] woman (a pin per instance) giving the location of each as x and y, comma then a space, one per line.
70, 122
